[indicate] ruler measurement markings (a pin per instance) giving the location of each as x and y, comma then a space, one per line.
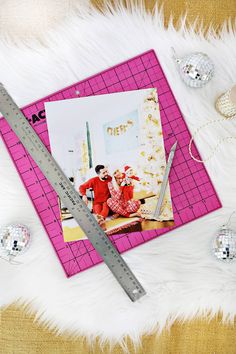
38, 152
162, 85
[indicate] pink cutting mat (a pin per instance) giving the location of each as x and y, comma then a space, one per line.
193, 194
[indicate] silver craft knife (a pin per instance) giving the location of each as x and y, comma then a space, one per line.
157, 212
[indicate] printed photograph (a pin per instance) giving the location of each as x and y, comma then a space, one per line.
111, 149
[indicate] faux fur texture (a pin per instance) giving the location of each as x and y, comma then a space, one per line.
28, 19
178, 271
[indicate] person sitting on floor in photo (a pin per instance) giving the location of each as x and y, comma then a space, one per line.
99, 184
117, 203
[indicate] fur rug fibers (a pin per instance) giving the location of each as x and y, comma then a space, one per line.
178, 271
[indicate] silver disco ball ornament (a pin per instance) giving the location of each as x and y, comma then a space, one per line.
224, 244
14, 240
195, 69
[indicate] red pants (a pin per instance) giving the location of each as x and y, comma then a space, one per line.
101, 209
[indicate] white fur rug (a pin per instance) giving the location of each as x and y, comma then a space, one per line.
178, 271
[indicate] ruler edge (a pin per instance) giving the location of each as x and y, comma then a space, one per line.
126, 286
171, 228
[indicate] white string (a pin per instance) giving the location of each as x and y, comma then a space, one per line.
220, 141
228, 222
11, 261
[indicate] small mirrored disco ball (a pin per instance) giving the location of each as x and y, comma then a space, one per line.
14, 239
224, 244
195, 69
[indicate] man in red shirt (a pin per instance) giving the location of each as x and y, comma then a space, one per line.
99, 185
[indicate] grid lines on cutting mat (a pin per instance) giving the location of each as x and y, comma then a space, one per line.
193, 194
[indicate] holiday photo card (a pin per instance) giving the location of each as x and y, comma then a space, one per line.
111, 149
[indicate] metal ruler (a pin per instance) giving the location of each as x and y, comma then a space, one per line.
69, 196
157, 212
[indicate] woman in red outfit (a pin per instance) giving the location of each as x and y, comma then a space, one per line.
118, 203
